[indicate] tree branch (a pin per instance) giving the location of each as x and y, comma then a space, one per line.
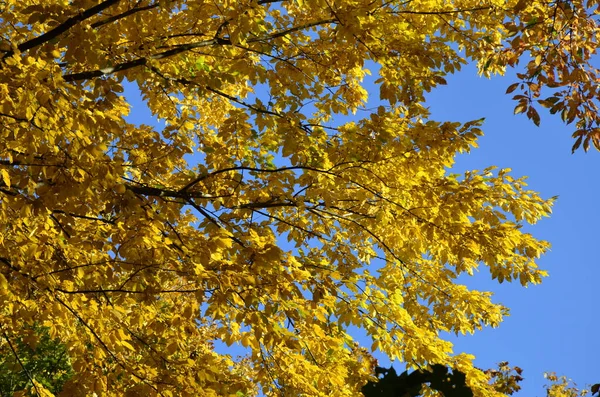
474, 9
27, 373
127, 291
182, 48
103, 344
214, 221
154, 191
252, 169
122, 15
89, 218
62, 28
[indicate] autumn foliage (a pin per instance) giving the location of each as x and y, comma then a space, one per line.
274, 208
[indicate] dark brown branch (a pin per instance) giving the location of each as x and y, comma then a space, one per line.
21, 164
178, 236
27, 373
292, 30
153, 191
214, 221
62, 28
205, 214
8, 264
309, 233
101, 72
102, 343
13, 117
127, 291
218, 92
382, 244
135, 273
89, 218
267, 204
148, 346
242, 168
142, 61
67, 269
122, 15
8, 192
243, 103
60, 226
183, 48
441, 12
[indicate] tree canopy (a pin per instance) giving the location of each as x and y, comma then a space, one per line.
33, 356
273, 207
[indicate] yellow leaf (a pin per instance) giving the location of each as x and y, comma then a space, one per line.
127, 345
178, 179
120, 188
5, 177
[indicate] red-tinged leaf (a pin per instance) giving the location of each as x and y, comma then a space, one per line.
512, 87
534, 116
596, 142
571, 115
548, 102
576, 144
556, 108
440, 80
520, 108
586, 143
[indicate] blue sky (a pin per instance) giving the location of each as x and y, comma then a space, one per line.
551, 325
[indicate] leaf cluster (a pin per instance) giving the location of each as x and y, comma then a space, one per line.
33, 358
450, 384
272, 207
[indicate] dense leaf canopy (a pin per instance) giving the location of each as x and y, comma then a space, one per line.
273, 208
